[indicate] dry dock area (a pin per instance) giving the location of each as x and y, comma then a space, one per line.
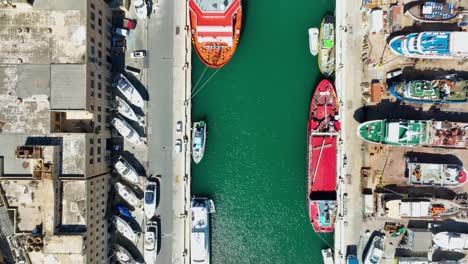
370, 175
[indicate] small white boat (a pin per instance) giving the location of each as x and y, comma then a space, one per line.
327, 255
127, 171
376, 250
126, 110
151, 197
200, 230
122, 255
141, 9
198, 140
313, 40
127, 194
126, 130
124, 228
128, 90
151, 242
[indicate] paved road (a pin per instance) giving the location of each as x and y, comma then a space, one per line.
167, 82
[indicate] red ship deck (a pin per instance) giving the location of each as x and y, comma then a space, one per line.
322, 164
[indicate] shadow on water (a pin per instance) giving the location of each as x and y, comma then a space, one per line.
244, 26
400, 110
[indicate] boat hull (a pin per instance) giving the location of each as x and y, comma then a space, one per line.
326, 48
313, 41
442, 12
126, 171
200, 231
127, 194
322, 128
198, 148
213, 49
403, 93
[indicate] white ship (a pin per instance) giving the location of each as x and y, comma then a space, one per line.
447, 175
126, 130
124, 228
451, 241
126, 110
122, 255
151, 242
376, 250
127, 194
198, 140
327, 255
127, 171
128, 90
151, 197
313, 40
200, 233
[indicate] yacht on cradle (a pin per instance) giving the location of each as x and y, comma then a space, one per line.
313, 40
126, 130
124, 228
151, 242
198, 140
128, 90
376, 250
411, 133
431, 91
431, 45
431, 174
127, 194
200, 232
126, 110
122, 255
430, 11
422, 208
126, 171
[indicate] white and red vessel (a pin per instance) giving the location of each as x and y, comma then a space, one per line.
322, 132
216, 27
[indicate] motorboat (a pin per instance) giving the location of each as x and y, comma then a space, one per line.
124, 228
313, 40
127, 171
327, 255
122, 255
200, 230
127, 194
151, 197
126, 130
151, 242
141, 8
198, 140
126, 110
128, 90
376, 250
326, 53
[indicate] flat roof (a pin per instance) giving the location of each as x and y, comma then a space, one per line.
68, 87
74, 202
458, 41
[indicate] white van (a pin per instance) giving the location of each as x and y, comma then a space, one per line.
121, 32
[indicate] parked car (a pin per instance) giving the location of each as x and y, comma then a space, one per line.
138, 54
121, 31
133, 70
178, 126
178, 145
129, 23
141, 8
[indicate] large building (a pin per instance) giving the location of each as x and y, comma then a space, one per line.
55, 94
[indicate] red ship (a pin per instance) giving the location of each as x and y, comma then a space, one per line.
216, 27
322, 132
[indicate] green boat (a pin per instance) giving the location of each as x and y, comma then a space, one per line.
431, 91
326, 56
412, 133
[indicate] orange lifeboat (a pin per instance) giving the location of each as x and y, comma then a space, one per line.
215, 27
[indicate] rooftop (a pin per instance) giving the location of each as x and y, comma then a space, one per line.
68, 84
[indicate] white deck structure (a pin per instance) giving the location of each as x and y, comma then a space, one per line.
200, 233
451, 241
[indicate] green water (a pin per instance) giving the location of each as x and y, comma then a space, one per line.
254, 165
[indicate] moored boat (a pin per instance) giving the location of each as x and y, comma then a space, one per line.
327, 256
198, 140
431, 45
432, 11
376, 250
124, 228
151, 197
326, 52
431, 91
151, 242
216, 28
200, 230
126, 130
446, 175
126, 170
128, 90
421, 208
127, 194
451, 241
126, 110
425, 133
122, 255
313, 40
323, 127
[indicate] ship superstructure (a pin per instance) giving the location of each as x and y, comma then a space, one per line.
447, 175
431, 91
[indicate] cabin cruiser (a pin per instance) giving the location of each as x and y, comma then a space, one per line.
127, 194
126, 130
151, 242
128, 90
124, 228
126, 110
127, 171
151, 197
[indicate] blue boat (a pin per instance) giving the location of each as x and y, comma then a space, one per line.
123, 211
431, 45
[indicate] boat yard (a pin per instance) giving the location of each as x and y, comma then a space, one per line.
397, 200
